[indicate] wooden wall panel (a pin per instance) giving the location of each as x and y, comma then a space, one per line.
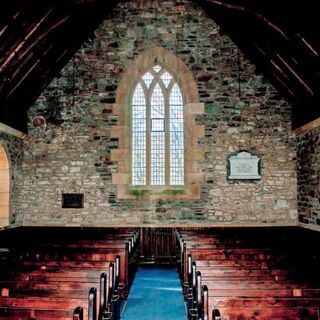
158, 245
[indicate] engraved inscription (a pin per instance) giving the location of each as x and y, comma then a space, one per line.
244, 166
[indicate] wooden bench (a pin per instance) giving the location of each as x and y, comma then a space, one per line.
50, 277
243, 279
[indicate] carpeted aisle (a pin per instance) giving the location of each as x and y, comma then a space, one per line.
155, 295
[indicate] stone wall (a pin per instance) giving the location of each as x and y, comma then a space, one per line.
14, 149
308, 175
70, 128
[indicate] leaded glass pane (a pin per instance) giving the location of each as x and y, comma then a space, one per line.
147, 78
138, 137
157, 139
157, 69
165, 146
166, 78
176, 137
157, 125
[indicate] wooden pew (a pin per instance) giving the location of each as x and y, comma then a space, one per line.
51, 277
77, 314
243, 280
79, 257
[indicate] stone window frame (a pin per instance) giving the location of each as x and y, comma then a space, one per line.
5, 182
122, 109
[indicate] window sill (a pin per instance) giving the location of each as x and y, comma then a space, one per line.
187, 192
142, 192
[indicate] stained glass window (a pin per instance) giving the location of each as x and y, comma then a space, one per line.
157, 128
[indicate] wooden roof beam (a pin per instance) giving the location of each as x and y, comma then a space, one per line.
272, 72
262, 18
308, 45
61, 52
294, 73
25, 61
41, 36
258, 15
279, 63
19, 45
281, 58
287, 48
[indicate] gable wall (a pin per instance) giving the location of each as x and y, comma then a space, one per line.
70, 142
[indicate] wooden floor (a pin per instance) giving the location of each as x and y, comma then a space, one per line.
253, 273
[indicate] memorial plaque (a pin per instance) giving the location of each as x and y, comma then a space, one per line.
244, 166
72, 200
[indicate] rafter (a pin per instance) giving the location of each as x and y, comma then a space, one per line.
38, 37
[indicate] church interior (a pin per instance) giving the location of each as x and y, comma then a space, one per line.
159, 159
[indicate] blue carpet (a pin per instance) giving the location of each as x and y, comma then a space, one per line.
155, 295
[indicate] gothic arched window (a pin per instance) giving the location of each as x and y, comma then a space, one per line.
157, 102
157, 130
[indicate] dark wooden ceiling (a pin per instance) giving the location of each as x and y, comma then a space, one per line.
37, 38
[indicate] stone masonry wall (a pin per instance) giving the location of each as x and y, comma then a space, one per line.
70, 128
308, 172
14, 149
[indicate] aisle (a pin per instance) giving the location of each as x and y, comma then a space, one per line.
155, 295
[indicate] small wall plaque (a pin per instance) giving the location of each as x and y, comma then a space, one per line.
244, 166
72, 200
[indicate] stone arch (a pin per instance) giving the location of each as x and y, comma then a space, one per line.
146, 61
192, 107
4, 187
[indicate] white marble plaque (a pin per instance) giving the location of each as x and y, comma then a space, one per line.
244, 166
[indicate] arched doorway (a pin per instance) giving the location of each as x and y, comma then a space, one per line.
4, 187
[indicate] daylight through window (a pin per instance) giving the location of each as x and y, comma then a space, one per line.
157, 128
